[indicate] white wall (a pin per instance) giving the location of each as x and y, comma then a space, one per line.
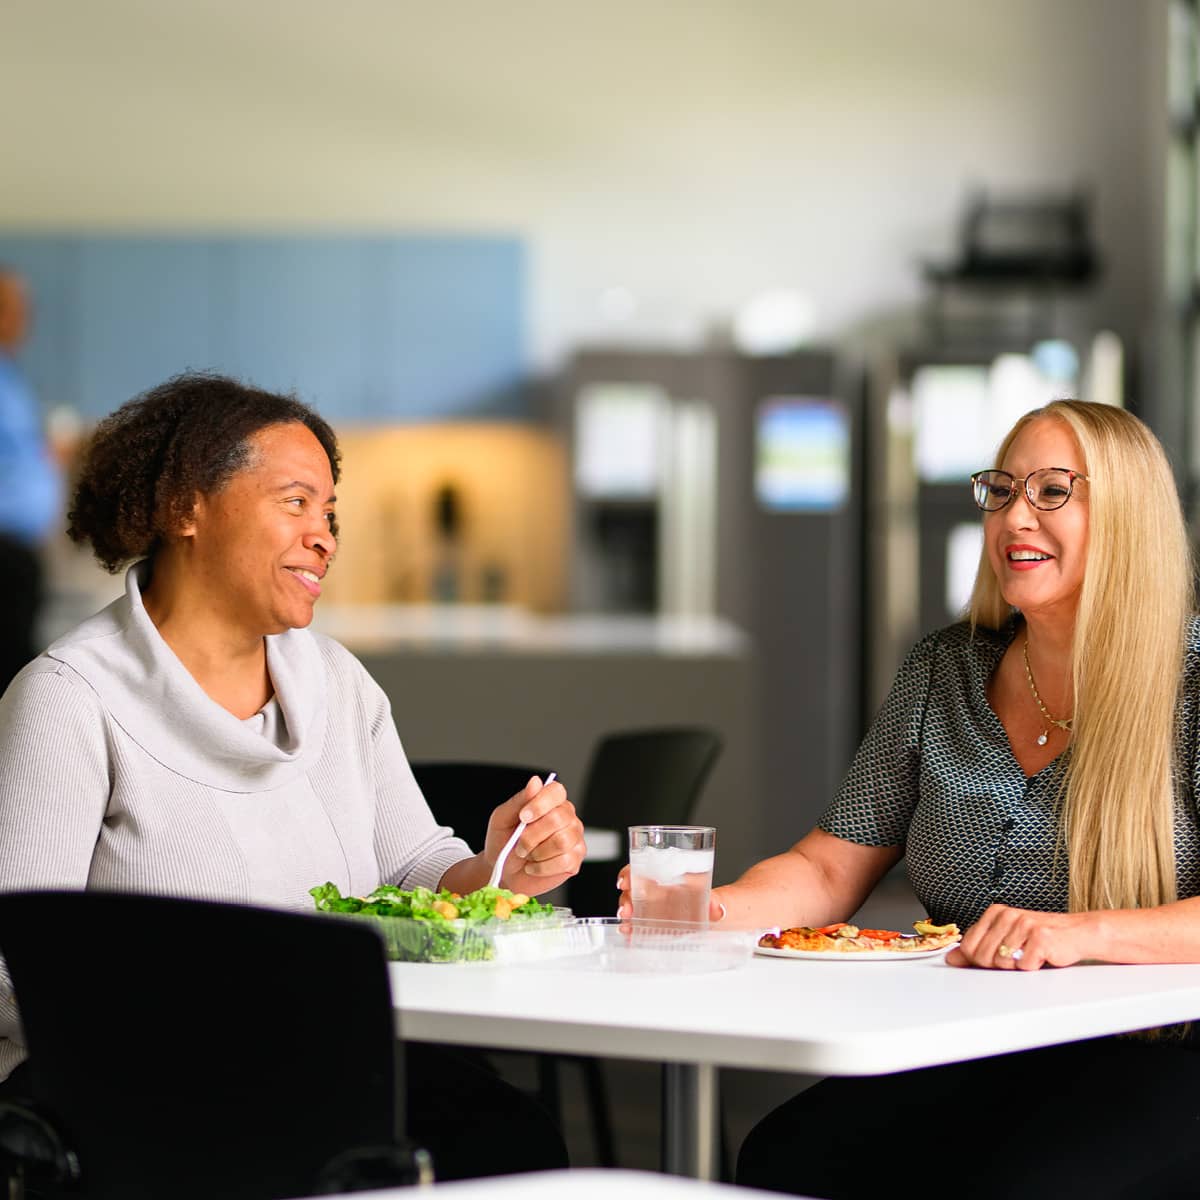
692, 151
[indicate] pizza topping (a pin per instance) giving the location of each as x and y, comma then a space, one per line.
845, 938
927, 926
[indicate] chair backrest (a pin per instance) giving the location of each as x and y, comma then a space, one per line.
464, 794
195, 1049
638, 777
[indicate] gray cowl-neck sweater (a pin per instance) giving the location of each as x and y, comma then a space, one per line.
117, 771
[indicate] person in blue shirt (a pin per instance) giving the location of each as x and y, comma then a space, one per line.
29, 487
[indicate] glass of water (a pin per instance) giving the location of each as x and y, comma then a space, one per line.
671, 870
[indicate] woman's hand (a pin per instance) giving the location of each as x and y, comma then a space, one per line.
551, 847
1016, 939
716, 910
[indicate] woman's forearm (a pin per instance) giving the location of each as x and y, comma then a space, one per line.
1005, 937
1168, 933
785, 890
467, 874
821, 879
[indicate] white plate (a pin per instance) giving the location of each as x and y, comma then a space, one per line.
852, 955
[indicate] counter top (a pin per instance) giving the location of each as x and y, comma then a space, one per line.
506, 629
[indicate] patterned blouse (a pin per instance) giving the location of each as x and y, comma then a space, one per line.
936, 774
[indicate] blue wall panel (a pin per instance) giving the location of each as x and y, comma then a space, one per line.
145, 314
295, 320
366, 328
442, 339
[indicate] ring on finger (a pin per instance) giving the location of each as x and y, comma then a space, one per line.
1016, 954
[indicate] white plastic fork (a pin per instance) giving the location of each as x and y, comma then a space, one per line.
502, 857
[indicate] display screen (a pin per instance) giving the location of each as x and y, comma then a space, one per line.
961, 412
802, 455
619, 440
950, 422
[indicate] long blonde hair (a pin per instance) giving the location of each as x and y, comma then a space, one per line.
1118, 791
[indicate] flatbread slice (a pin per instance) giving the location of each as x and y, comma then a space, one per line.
844, 938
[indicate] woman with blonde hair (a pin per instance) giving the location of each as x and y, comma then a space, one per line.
1037, 766
1113, 662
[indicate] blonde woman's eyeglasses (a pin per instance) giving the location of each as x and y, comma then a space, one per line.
1046, 489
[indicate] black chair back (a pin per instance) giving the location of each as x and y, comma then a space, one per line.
195, 1049
463, 795
639, 777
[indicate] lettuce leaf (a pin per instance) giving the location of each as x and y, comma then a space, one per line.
389, 901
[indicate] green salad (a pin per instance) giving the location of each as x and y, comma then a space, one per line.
441, 926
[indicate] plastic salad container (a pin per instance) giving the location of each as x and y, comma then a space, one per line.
442, 927
642, 946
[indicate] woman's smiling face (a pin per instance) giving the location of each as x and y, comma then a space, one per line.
265, 540
1040, 557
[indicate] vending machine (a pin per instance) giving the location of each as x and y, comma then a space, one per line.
723, 483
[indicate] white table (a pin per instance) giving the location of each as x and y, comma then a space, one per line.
576, 1185
819, 1018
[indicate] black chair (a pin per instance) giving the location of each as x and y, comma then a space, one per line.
464, 794
193, 1049
638, 777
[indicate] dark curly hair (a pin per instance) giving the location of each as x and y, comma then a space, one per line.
146, 463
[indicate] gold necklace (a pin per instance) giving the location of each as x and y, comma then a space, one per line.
1064, 725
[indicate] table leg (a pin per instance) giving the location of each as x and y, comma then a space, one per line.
689, 1120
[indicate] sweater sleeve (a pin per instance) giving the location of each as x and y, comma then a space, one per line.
54, 790
411, 848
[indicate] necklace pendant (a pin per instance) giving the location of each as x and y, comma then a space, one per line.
1064, 725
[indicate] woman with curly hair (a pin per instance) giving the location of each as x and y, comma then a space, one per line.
1038, 767
218, 748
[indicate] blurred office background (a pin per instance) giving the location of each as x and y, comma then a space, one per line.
662, 336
